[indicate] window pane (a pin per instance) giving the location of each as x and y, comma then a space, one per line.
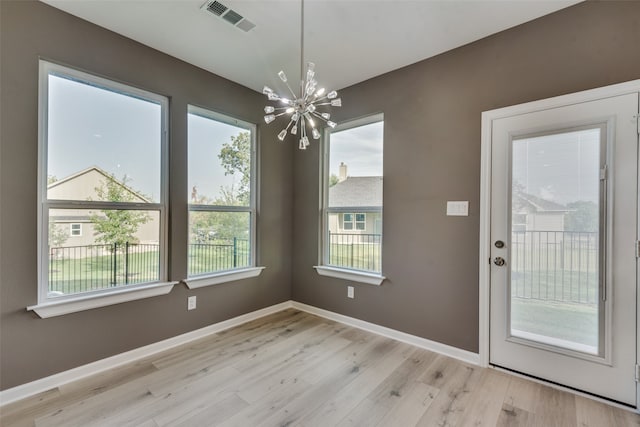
95, 135
354, 182
219, 162
115, 248
218, 241
556, 262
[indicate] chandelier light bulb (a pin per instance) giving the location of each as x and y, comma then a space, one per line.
331, 124
273, 97
316, 133
267, 90
320, 92
269, 109
325, 116
336, 102
294, 130
332, 94
290, 110
282, 76
269, 118
282, 134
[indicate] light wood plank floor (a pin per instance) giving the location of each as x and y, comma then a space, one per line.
296, 369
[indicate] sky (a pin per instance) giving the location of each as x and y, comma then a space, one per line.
562, 168
206, 137
90, 126
359, 148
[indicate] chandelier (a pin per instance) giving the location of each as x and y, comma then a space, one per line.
307, 107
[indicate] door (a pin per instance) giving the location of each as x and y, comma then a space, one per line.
564, 198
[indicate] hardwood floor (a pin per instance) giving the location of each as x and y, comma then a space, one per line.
295, 369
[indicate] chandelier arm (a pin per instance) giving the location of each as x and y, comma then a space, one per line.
319, 116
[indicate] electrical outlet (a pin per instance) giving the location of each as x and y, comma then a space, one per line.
191, 303
350, 292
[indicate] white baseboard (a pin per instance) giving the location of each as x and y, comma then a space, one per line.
436, 347
38, 386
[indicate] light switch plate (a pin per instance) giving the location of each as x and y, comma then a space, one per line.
457, 208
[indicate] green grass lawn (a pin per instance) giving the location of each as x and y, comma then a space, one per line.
567, 321
356, 256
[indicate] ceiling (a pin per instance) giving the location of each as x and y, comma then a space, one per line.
349, 40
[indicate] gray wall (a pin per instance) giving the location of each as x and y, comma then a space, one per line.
30, 347
432, 154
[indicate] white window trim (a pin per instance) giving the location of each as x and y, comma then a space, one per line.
223, 277
88, 301
360, 276
218, 277
324, 268
92, 299
79, 229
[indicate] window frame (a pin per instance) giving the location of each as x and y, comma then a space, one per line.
46, 306
72, 231
324, 268
252, 270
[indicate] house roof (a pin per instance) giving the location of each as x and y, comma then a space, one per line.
106, 174
532, 203
357, 191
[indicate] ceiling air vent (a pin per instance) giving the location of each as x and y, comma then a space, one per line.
229, 15
217, 8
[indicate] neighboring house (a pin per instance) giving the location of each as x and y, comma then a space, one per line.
358, 194
76, 223
532, 213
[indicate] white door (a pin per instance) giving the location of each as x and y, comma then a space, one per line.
564, 209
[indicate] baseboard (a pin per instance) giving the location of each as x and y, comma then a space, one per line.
436, 347
38, 386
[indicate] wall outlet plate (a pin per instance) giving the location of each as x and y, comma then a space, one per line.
191, 302
350, 293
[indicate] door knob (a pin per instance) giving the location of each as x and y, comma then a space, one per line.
499, 261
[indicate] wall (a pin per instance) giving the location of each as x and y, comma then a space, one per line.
30, 347
432, 113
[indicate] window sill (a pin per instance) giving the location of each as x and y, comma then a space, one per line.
352, 275
87, 302
223, 277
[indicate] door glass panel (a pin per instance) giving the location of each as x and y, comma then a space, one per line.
556, 264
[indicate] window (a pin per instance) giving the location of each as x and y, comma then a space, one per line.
76, 230
222, 198
359, 219
102, 151
352, 196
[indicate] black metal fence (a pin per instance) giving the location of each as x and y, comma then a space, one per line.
555, 266
75, 269
222, 255
357, 251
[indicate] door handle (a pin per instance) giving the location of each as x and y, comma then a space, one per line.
499, 261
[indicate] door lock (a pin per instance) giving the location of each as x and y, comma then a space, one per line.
499, 261
499, 244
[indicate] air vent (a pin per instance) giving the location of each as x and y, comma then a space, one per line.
231, 16
217, 8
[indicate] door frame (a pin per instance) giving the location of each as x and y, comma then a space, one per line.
485, 198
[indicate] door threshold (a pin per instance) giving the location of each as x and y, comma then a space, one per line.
562, 387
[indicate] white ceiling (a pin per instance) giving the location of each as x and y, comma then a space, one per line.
349, 40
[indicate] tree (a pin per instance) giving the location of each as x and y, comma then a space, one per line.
117, 226
57, 235
584, 216
235, 157
333, 180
